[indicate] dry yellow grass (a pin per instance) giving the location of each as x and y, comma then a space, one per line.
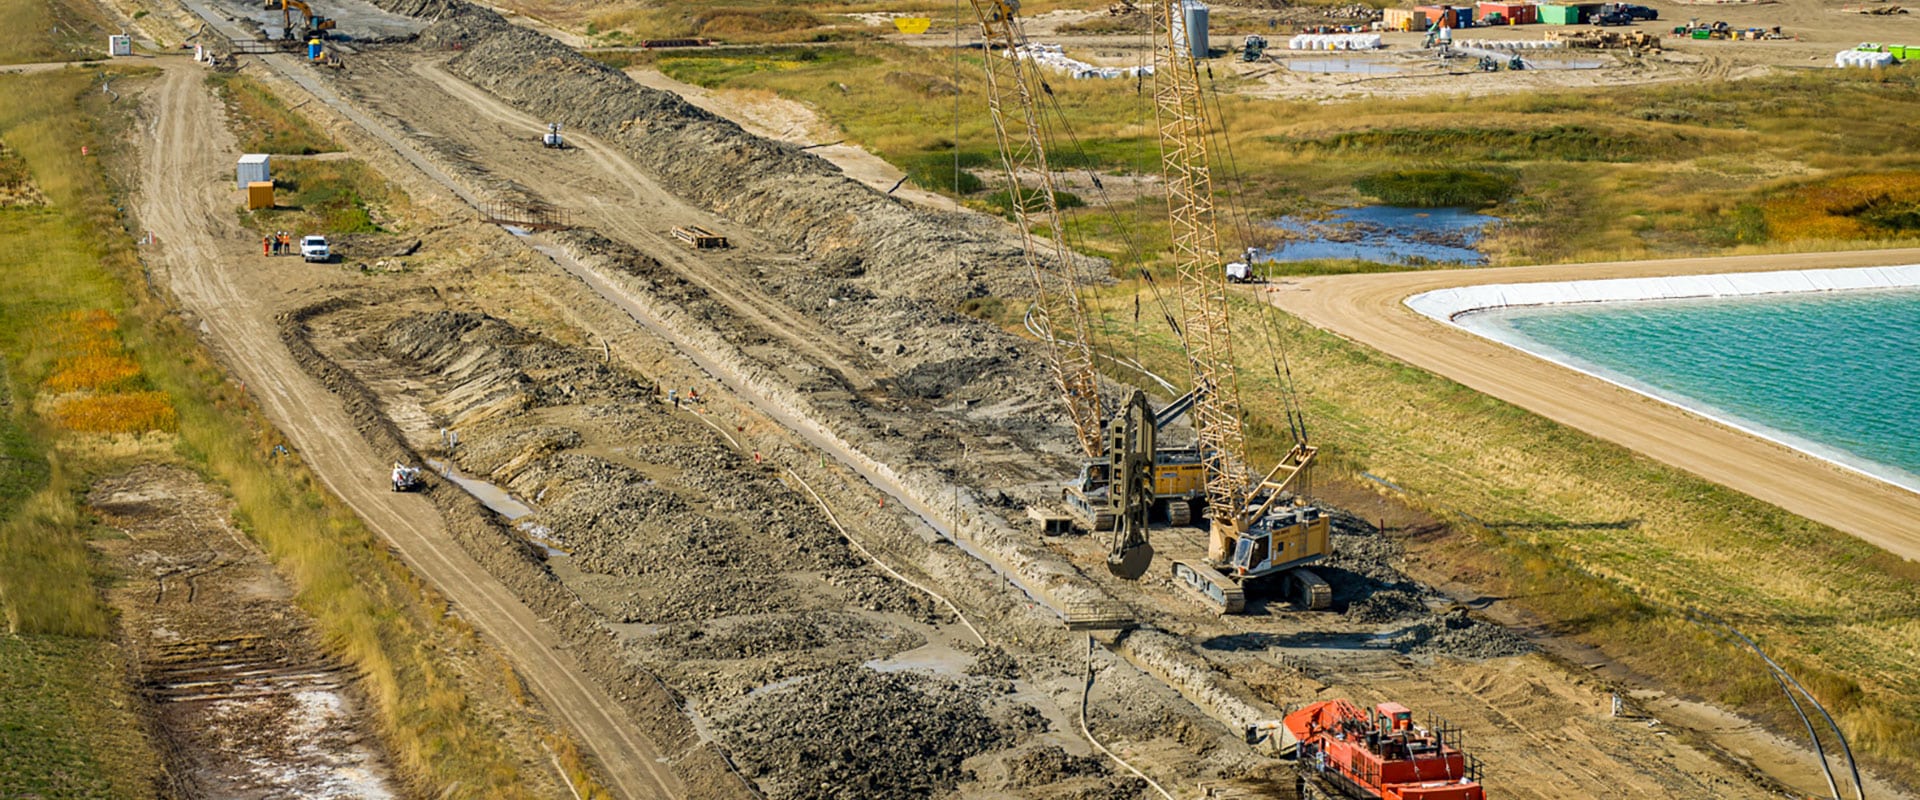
120, 412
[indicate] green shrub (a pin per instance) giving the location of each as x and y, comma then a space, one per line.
1435, 188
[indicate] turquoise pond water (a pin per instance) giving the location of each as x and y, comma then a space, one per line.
1834, 374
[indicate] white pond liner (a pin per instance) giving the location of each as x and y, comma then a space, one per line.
1460, 307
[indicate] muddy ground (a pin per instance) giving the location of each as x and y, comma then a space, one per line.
241, 700
688, 568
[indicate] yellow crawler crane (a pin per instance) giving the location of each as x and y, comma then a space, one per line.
1258, 531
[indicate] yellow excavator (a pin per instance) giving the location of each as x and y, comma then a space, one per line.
312, 24
1125, 480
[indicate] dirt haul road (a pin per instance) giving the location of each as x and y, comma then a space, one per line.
207, 259
1368, 309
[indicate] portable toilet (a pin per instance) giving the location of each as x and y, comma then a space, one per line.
252, 168
313, 49
119, 44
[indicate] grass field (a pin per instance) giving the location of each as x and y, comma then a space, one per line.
328, 197
262, 123
75, 323
40, 31
1611, 547
1642, 171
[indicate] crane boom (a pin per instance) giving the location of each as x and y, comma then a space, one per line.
1181, 110
1014, 107
1256, 525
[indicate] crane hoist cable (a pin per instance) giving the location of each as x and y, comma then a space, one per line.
1014, 106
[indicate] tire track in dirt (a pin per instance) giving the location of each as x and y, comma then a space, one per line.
184, 207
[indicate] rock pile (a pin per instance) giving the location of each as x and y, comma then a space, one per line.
1458, 635
854, 732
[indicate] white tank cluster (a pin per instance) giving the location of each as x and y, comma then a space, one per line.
1862, 58
1335, 41
1511, 44
1052, 55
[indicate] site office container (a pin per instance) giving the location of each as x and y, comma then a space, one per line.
259, 195
1438, 15
1404, 19
1511, 13
1557, 14
252, 169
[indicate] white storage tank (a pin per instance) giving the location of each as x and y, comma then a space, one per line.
119, 44
252, 169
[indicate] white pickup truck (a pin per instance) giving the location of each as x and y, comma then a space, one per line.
314, 248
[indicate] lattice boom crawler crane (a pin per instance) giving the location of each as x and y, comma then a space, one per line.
1258, 530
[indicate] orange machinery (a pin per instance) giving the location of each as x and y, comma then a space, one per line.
1381, 754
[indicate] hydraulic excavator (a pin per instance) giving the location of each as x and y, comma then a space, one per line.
1259, 531
312, 24
1116, 489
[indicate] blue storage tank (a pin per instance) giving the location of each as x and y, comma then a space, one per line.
1194, 16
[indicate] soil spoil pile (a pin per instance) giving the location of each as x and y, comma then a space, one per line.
795, 197
854, 732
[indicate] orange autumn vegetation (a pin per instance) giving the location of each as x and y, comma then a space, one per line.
93, 370
1840, 208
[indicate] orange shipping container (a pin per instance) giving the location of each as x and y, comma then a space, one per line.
1516, 13
259, 195
1437, 15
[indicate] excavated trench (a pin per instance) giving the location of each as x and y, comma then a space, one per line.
688, 562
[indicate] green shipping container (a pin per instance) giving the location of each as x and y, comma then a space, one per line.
1560, 15
1899, 51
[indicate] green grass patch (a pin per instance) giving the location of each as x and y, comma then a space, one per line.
1566, 142
1002, 201
328, 197
1438, 188
39, 31
264, 124
67, 727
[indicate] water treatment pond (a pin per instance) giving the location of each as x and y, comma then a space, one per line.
1383, 234
1836, 374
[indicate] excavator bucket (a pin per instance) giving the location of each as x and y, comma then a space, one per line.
1132, 562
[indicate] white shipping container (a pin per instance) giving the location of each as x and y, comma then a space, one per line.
119, 45
253, 168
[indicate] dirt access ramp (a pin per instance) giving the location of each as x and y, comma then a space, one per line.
241, 700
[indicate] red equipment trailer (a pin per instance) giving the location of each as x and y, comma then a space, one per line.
1381, 754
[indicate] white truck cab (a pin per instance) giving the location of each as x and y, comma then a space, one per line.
314, 248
